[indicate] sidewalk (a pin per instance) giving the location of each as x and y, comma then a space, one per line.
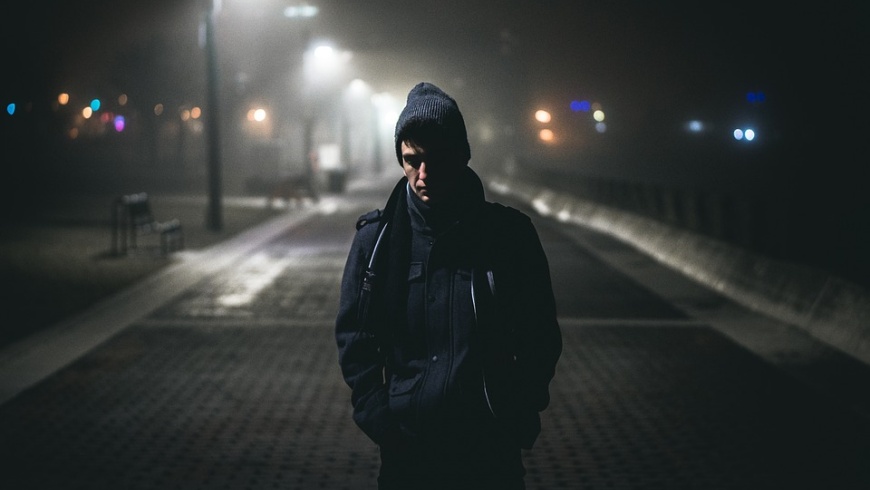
220, 371
225, 375
110, 292
31, 359
59, 262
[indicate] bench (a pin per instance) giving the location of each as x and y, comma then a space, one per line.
132, 217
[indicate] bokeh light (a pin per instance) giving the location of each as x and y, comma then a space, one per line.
257, 115
543, 116
755, 97
580, 105
747, 134
304, 11
547, 135
695, 126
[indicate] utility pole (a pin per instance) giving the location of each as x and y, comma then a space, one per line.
214, 215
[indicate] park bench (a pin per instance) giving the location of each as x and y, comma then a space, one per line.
132, 218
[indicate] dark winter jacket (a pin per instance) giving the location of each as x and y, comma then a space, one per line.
447, 322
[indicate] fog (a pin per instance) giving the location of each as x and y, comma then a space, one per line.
656, 69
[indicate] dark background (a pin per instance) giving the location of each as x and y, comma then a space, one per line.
653, 66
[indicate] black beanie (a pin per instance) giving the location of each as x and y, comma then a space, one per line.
430, 108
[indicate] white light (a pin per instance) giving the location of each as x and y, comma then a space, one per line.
305, 11
543, 116
598, 115
601, 127
325, 65
695, 126
358, 87
749, 135
323, 52
738, 134
541, 206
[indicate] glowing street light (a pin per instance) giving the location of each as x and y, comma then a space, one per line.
300, 11
257, 115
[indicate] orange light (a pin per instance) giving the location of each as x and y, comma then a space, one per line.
543, 116
546, 135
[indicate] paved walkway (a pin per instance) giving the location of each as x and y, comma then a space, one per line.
221, 372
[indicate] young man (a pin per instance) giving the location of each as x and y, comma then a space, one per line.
446, 330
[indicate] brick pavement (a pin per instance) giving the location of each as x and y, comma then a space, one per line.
234, 384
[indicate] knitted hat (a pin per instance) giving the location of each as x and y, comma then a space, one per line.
430, 109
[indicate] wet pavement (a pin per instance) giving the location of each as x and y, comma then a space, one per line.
225, 376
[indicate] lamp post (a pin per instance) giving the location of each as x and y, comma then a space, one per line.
214, 214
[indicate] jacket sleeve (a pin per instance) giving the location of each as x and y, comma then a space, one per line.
538, 337
359, 356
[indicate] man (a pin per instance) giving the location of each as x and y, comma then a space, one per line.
446, 330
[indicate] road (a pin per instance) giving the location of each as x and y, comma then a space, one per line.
230, 380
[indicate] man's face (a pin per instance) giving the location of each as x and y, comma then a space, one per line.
433, 175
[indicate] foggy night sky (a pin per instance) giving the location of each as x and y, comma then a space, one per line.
651, 63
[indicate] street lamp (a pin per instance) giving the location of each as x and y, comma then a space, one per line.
212, 8
324, 69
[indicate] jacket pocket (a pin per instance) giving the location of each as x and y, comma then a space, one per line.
401, 394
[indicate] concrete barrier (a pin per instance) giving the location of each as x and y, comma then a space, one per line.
827, 307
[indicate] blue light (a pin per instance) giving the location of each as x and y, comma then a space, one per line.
95, 104
580, 105
755, 97
11, 108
